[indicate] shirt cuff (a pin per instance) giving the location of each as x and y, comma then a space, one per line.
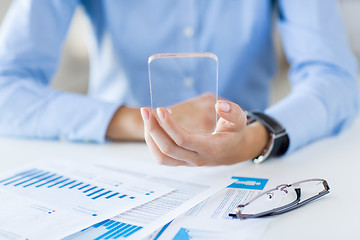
83, 119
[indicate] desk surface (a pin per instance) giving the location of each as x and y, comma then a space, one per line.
336, 159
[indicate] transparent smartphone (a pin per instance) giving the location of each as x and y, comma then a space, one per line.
187, 85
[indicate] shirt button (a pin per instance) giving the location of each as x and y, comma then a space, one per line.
188, 32
189, 82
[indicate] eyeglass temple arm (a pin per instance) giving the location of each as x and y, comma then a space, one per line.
322, 193
271, 212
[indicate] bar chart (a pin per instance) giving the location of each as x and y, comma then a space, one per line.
37, 178
113, 230
145, 215
52, 200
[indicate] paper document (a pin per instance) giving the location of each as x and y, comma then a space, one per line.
53, 200
192, 185
210, 219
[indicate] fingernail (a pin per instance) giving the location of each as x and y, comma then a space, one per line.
145, 114
161, 114
223, 106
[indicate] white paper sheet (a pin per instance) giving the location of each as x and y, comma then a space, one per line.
192, 185
51, 200
210, 219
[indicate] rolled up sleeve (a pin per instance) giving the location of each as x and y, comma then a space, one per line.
324, 95
31, 40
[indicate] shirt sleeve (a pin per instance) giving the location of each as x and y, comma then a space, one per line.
31, 40
324, 96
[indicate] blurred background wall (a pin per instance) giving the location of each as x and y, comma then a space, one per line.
73, 70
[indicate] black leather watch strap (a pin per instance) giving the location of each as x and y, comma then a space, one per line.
279, 138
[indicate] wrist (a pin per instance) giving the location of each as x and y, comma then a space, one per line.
279, 141
257, 139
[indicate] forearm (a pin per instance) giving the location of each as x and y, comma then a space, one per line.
30, 109
324, 96
322, 105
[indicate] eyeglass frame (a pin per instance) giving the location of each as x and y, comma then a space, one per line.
283, 209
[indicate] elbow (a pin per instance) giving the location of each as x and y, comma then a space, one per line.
351, 107
345, 103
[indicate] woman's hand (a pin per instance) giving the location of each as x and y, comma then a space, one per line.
232, 142
196, 115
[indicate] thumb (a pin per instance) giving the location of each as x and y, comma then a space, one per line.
232, 116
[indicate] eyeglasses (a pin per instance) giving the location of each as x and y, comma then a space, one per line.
282, 199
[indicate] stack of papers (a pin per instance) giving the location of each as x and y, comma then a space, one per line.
57, 199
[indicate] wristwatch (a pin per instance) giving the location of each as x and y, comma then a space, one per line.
279, 139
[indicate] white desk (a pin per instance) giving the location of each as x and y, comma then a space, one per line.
336, 216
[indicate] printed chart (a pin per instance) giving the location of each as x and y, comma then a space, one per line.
36, 178
144, 216
59, 199
114, 230
147, 218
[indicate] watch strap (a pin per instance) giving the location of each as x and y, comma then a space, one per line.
279, 140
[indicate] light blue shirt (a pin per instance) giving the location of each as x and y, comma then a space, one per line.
323, 98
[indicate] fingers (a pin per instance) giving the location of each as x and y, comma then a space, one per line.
159, 156
231, 112
158, 139
179, 135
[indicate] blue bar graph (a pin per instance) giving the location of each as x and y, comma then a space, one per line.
100, 223
55, 183
112, 195
90, 189
102, 194
95, 192
115, 231
58, 183
25, 173
123, 233
110, 229
42, 179
66, 184
37, 178
32, 178
84, 186
51, 180
75, 185
113, 225
132, 231
109, 223
21, 177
